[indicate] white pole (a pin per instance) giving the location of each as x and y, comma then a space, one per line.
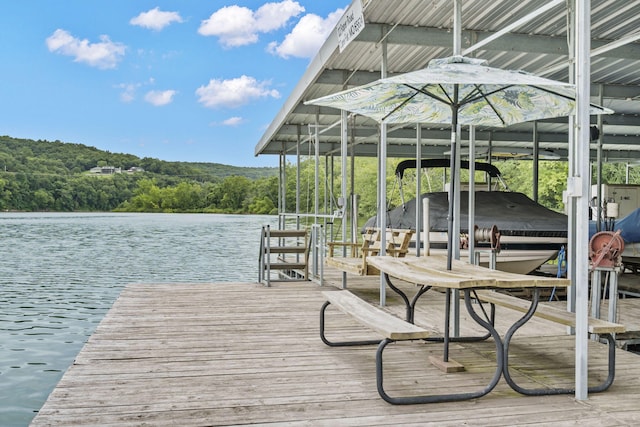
418, 186
536, 160
581, 188
343, 193
382, 183
298, 178
426, 226
455, 177
316, 204
471, 213
571, 201
382, 208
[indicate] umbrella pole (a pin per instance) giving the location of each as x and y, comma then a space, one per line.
450, 238
452, 168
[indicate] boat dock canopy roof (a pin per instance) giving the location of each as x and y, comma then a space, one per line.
531, 35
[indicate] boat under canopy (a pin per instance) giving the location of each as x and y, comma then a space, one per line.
530, 234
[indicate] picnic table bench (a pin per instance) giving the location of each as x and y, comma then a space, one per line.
386, 324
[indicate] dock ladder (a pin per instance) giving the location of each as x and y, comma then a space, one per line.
286, 251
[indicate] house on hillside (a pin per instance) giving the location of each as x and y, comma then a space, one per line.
105, 170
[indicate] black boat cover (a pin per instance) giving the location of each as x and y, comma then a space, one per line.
493, 171
513, 213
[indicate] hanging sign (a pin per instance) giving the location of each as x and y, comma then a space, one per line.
350, 25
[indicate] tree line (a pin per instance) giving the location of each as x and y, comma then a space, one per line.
53, 176
517, 174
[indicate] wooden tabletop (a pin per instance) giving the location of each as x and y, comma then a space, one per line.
432, 271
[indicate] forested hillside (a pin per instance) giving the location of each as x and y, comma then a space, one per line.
57, 176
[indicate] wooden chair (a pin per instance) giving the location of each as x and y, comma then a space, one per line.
397, 245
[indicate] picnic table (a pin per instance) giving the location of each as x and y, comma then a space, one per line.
430, 271
477, 284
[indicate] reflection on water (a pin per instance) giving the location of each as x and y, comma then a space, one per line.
60, 273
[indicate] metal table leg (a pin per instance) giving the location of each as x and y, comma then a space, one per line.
339, 343
411, 307
551, 391
409, 400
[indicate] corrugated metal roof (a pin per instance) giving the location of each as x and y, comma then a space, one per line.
417, 31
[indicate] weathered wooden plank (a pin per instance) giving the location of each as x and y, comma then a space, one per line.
596, 326
334, 415
355, 265
432, 271
388, 325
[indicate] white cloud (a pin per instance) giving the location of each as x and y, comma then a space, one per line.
234, 25
160, 97
234, 93
233, 121
155, 19
104, 54
272, 16
307, 36
239, 26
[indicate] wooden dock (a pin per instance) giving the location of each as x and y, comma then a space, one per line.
242, 353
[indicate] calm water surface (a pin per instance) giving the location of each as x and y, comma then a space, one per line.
60, 273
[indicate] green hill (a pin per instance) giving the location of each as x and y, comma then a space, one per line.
58, 176
27, 155
223, 171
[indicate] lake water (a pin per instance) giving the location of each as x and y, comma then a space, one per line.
60, 273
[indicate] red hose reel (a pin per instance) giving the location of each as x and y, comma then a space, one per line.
605, 249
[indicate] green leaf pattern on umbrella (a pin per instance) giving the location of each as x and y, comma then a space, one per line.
403, 105
487, 96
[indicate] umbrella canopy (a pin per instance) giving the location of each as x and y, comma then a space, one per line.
459, 90
462, 90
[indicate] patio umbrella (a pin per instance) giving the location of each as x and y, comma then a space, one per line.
458, 90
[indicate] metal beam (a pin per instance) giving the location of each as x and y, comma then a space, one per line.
507, 29
512, 42
408, 151
442, 133
615, 44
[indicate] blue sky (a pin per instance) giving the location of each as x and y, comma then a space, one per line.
189, 80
